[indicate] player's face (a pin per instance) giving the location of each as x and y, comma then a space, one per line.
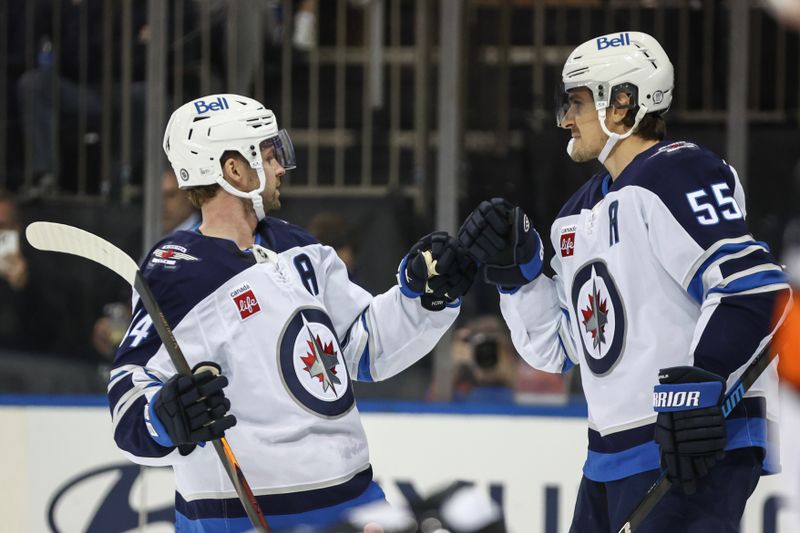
274, 173
581, 119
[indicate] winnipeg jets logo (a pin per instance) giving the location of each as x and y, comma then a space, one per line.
674, 147
321, 361
595, 316
170, 254
310, 365
600, 316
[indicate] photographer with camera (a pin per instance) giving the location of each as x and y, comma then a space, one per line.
26, 309
484, 361
489, 370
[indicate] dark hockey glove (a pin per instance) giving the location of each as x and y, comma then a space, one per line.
690, 428
500, 237
190, 409
437, 269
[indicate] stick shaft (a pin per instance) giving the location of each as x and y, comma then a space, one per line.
248, 499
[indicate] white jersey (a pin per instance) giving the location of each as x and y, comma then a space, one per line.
654, 269
290, 332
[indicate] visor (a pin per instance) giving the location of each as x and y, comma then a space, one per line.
561, 103
283, 148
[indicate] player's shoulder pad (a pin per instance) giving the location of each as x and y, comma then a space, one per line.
585, 197
695, 185
182, 269
188, 266
281, 235
673, 169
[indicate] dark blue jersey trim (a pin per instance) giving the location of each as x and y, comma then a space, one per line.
629, 438
606, 184
739, 264
315, 520
119, 389
364, 373
585, 197
407, 291
695, 288
610, 466
620, 441
277, 504
280, 235
734, 332
131, 432
672, 174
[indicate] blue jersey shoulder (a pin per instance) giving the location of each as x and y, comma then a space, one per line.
586, 196
181, 270
281, 235
695, 185
671, 170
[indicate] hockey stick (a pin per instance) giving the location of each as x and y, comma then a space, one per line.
732, 398
52, 237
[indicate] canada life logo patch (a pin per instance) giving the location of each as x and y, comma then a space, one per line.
568, 240
245, 301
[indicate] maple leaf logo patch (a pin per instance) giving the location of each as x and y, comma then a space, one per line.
598, 313
310, 367
321, 361
595, 317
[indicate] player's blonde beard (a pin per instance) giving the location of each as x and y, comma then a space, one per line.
611, 139
270, 204
273, 203
580, 155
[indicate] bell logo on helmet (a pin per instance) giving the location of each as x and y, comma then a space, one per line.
217, 105
184, 175
624, 39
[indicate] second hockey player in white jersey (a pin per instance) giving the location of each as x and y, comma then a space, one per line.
660, 294
274, 311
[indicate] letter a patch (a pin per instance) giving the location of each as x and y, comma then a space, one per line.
245, 301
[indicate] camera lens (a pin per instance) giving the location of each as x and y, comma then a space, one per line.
485, 354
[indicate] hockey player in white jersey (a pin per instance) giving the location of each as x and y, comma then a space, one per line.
660, 294
274, 311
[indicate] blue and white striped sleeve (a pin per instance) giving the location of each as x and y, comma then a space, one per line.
383, 335
696, 220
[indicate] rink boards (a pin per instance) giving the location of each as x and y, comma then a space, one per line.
59, 465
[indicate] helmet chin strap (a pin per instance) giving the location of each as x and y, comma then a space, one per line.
614, 138
570, 146
254, 195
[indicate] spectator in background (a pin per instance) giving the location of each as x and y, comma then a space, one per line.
489, 370
78, 79
333, 230
28, 313
177, 213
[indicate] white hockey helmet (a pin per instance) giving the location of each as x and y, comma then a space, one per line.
201, 131
630, 61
